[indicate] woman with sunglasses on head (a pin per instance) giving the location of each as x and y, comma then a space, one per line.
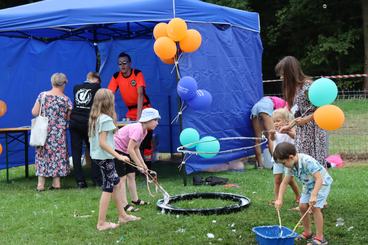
52, 159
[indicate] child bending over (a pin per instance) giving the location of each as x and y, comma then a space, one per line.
128, 140
100, 130
316, 187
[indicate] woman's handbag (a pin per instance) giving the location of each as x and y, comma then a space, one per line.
39, 128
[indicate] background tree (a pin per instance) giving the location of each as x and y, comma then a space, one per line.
326, 36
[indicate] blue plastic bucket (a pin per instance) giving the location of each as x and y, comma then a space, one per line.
270, 235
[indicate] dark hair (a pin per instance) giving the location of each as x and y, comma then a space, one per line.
289, 67
283, 151
122, 54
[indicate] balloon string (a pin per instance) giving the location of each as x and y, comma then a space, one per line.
180, 112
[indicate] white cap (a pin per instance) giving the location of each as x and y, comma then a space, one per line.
149, 114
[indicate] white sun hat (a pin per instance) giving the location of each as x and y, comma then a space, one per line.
149, 114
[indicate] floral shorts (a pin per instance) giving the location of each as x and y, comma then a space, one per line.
109, 176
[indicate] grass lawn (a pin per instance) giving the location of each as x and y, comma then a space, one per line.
69, 216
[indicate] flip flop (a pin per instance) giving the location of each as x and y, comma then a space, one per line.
129, 218
140, 202
130, 208
108, 226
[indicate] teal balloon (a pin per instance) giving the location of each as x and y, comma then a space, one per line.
208, 144
322, 92
188, 136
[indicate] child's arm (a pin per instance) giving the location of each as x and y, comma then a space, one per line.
135, 154
291, 133
283, 186
104, 146
317, 186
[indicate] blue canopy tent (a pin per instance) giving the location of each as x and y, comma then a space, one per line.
75, 37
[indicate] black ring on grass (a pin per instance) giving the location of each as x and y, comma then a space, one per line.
241, 202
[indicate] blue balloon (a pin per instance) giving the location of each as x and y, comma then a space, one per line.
187, 88
202, 101
322, 92
208, 144
188, 136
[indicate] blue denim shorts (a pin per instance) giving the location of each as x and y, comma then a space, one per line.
321, 196
264, 105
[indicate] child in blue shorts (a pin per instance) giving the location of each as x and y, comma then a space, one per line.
281, 117
316, 187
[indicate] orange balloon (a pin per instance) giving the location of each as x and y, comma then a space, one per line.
168, 61
191, 42
329, 117
177, 29
165, 48
160, 30
3, 108
1, 149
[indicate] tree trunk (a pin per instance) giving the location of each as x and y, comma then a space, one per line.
365, 30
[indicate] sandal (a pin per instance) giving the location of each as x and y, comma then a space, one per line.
54, 188
304, 236
40, 190
317, 241
129, 218
107, 226
140, 202
130, 208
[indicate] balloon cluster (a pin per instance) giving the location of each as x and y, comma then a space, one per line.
167, 35
189, 137
198, 99
322, 93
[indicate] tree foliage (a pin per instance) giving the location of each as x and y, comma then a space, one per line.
326, 36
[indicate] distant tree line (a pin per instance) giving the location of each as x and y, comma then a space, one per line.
326, 36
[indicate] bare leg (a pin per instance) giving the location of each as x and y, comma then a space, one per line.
104, 205
318, 220
277, 183
257, 127
268, 125
56, 182
295, 188
132, 186
41, 183
306, 222
117, 196
123, 181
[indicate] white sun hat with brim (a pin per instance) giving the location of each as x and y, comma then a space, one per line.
149, 114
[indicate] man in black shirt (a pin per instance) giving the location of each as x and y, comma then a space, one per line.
83, 99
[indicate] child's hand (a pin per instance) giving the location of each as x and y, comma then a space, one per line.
278, 204
272, 133
123, 158
313, 200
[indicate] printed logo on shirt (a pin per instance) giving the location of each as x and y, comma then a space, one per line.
83, 97
133, 83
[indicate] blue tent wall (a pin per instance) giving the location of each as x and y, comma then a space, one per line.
228, 65
26, 68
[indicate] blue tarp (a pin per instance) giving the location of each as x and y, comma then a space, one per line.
50, 36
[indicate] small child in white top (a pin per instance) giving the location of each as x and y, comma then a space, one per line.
281, 117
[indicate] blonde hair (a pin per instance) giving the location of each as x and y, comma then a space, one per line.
103, 103
58, 79
91, 75
283, 113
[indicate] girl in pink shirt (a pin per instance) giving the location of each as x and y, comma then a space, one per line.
127, 142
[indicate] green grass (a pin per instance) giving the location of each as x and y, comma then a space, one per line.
69, 216
352, 138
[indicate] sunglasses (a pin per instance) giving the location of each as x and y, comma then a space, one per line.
123, 63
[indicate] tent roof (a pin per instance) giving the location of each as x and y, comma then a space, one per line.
98, 20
